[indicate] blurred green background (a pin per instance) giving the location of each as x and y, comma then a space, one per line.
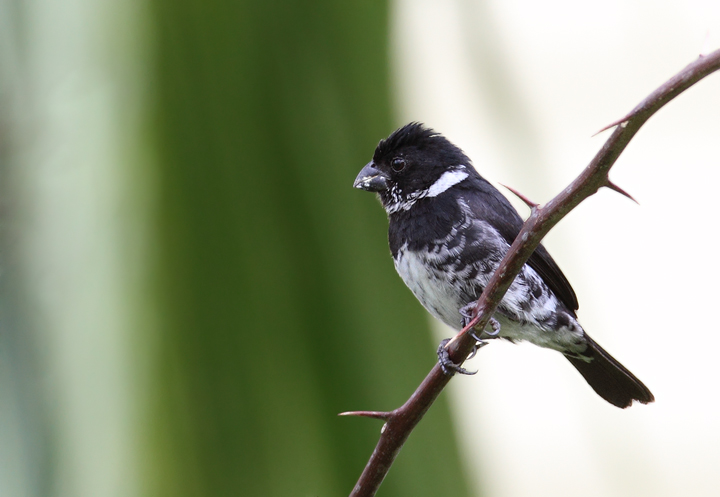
192, 290
278, 300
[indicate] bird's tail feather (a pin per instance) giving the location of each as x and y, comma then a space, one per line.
610, 379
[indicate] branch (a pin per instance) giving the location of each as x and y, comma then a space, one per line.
400, 422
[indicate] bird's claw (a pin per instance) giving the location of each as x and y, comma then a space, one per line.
447, 365
468, 313
478, 345
495, 325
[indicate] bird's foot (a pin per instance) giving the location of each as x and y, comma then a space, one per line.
468, 313
448, 366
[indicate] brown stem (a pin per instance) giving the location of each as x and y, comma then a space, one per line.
400, 422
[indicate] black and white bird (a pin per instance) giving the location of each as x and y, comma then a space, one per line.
448, 230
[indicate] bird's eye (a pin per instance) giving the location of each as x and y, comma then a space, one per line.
397, 164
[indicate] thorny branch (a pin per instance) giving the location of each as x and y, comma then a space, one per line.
400, 422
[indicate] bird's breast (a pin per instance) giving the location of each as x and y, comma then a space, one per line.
432, 282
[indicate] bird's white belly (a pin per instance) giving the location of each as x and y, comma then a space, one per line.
430, 287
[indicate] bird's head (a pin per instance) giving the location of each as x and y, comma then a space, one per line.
414, 162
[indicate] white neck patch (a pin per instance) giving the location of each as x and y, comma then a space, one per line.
446, 181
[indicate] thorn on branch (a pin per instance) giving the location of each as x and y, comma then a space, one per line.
522, 197
368, 414
620, 122
616, 188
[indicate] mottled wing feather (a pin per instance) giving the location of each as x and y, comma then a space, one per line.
490, 205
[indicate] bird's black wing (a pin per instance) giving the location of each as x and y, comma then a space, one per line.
490, 205
545, 266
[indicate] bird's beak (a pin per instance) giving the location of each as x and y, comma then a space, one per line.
371, 179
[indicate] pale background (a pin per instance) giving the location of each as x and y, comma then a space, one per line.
522, 86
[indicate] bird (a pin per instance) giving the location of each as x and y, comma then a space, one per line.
448, 230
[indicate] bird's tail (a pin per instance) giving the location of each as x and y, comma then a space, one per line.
610, 379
